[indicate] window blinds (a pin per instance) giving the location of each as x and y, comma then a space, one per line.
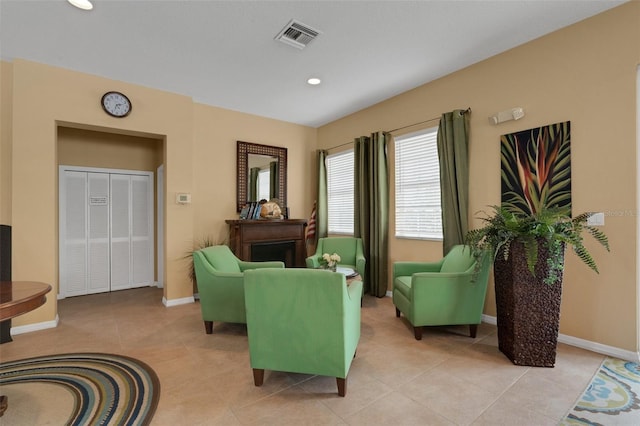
418, 207
340, 184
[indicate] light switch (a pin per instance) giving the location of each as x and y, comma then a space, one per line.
596, 219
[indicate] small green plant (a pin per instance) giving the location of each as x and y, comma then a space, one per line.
552, 227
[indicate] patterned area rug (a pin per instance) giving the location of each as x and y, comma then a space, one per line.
612, 397
105, 389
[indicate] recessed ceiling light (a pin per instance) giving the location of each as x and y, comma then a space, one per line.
81, 4
314, 81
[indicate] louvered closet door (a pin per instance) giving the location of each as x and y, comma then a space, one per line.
73, 251
141, 231
120, 232
98, 241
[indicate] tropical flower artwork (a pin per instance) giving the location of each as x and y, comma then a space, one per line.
536, 169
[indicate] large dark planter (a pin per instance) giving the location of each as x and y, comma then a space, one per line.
528, 310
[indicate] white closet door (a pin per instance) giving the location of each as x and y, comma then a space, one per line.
106, 230
73, 235
141, 231
120, 232
98, 264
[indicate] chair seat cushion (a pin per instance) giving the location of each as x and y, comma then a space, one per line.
403, 285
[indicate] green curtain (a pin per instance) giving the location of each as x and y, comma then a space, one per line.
371, 208
453, 143
273, 180
322, 209
253, 183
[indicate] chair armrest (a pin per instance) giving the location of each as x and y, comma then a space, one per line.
354, 290
209, 270
312, 262
361, 261
352, 319
257, 265
406, 269
228, 283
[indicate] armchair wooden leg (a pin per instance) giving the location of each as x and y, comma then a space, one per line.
473, 329
397, 313
342, 386
208, 327
258, 376
417, 332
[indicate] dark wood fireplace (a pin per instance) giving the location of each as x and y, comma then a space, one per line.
283, 251
267, 239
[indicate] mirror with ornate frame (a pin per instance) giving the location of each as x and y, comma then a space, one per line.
248, 153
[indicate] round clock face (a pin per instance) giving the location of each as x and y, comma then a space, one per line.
116, 104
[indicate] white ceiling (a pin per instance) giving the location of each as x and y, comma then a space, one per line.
223, 53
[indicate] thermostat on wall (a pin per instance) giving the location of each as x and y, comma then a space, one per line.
182, 198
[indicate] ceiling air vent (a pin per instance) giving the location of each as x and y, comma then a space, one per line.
297, 34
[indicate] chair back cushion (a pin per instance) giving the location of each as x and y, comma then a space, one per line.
459, 259
302, 320
221, 258
344, 246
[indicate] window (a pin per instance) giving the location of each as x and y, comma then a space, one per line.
340, 192
264, 184
418, 208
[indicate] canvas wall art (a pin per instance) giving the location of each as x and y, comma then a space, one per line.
536, 169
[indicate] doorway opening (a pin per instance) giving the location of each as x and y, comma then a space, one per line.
122, 170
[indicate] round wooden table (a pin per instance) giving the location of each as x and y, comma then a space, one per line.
17, 298
20, 297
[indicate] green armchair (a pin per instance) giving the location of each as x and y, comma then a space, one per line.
447, 292
302, 321
349, 249
220, 281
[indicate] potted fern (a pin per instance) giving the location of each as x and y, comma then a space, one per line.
528, 253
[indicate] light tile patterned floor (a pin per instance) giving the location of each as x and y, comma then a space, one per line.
445, 379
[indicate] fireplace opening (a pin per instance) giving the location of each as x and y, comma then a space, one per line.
284, 251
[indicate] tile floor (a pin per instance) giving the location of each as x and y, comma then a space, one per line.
445, 379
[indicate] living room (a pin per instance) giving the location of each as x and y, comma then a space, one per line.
586, 73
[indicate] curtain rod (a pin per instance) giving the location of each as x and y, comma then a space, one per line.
465, 111
338, 146
425, 121
414, 124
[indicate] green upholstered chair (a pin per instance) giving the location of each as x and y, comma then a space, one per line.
302, 321
220, 281
349, 249
447, 292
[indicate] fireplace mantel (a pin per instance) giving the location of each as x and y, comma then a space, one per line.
246, 233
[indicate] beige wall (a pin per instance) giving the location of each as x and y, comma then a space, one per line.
52, 116
6, 98
585, 73
79, 147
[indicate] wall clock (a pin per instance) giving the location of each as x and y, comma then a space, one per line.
116, 104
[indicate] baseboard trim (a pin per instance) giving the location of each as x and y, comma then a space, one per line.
177, 302
586, 344
35, 327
